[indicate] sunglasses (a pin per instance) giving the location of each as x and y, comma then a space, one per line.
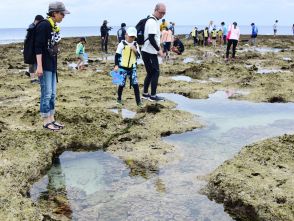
162, 13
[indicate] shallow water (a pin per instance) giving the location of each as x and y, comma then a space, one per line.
97, 186
269, 71
182, 78
125, 113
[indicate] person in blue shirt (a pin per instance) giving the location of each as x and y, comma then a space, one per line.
254, 33
225, 32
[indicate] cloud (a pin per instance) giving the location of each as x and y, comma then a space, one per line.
20, 13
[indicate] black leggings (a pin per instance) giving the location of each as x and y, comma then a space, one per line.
136, 90
195, 41
230, 42
152, 69
104, 43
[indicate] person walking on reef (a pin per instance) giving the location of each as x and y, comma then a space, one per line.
104, 30
254, 33
32, 67
121, 32
47, 37
225, 32
194, 34
126, 56
150, 50
233, 38
275, 27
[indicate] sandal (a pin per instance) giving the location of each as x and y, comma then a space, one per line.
56, 124
51, 126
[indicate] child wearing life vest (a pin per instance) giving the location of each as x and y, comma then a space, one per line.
126, 56
80, 51
213, 36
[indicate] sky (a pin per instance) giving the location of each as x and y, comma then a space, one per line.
20, 13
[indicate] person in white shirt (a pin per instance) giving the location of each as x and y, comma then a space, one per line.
150, 50
233, 38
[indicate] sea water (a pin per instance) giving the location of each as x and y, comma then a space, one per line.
13, 35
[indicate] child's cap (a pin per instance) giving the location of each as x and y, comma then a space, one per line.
132, 32
83, 39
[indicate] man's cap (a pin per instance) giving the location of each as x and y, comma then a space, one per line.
132, 31
57, 7
123, 25
105, 22
39, 18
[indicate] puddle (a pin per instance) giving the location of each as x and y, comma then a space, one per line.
182, 78
72, 66
99, 70
215, 80
97, 186
124, 113
261, 50
268, 71
189, 60
287, 59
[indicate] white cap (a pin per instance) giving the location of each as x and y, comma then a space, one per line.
132, 31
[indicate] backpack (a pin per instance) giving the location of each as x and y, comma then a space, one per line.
29, 55
141, 29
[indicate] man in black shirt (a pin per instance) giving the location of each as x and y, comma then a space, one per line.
104, 30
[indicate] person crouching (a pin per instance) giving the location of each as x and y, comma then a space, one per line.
126, 56
80, 51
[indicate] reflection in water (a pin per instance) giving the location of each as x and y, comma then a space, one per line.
97, 186
124, 113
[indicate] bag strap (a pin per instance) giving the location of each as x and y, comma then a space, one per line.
145, 24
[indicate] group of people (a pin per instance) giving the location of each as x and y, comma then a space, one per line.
128, 52
47, 37
45, 47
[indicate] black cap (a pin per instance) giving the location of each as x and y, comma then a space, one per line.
123, 25
252, 24
83, 39
39, 18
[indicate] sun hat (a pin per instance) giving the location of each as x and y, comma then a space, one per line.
131, 31
57, 7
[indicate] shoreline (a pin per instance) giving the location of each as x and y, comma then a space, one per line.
84, 100
20, 41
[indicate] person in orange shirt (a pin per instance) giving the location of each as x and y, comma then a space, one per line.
166, 40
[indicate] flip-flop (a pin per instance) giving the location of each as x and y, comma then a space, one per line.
57, 124
46, 126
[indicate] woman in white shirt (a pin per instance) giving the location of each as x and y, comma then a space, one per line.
233, 38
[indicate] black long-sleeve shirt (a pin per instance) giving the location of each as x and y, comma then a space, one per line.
104, 30
42, 39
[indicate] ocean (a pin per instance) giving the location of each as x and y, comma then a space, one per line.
14, 35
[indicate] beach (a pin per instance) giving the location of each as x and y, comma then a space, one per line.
84, 103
